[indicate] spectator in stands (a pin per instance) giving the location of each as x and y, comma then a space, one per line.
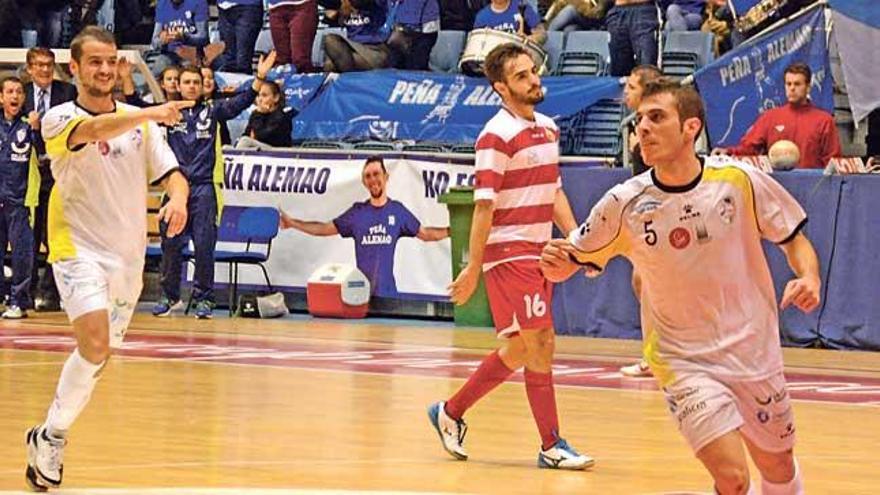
364, 47
632, 96
811, 129
719, 22
240, 22
415, 31
272, 121
19, 191
43, 93
181, 34
169, 80
294, 24
458, 15
376, 225
633, 26
194, 142
685, 15
42, 22
512, 16
573, 15
212, 92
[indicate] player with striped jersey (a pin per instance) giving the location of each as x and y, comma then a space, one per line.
518, 196
693, 231
103, 155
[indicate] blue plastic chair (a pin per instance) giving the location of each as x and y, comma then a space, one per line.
251, 227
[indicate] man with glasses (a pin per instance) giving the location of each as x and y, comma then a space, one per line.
43, 93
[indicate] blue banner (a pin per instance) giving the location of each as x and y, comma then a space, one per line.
401, 105
856, 29
743, 83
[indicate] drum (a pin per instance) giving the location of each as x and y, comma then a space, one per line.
481, 41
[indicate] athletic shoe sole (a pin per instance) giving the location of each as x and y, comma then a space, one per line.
434, 416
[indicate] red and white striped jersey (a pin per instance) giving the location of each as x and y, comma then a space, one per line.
517, 167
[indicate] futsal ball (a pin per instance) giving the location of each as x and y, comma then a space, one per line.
784, 154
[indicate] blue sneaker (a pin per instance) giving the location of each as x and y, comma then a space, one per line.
165, 306
451, 431
563, 456
204, 310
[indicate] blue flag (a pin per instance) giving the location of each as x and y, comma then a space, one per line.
743, 83
857, 32
391, 105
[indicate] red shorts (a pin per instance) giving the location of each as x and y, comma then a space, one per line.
519, 297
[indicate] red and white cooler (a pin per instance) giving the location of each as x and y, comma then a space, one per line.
337, 290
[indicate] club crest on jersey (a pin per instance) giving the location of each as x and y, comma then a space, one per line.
688, 213
203, 125
727, 210
679, 238
391, 220
21, 135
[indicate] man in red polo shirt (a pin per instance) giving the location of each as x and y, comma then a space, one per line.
811, 129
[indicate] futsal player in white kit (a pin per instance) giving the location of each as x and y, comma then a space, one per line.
103, 156
693, 231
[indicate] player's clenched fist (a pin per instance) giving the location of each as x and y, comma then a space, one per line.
803, 293
556, 263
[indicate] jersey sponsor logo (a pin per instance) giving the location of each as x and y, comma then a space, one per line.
727, 210
646, 207
679, 238
688, 213
377, 234
779, 128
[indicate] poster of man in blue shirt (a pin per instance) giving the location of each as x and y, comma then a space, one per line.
375, 225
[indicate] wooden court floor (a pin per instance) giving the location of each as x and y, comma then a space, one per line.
322, 406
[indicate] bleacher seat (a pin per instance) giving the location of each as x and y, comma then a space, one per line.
318, 44
585, 53
464, 148
264, 42
554, 45
684, 52
425, 148
596, 131
375, 146
324, 145
447, 51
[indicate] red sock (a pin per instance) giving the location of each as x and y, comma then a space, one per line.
491, 373
542, 399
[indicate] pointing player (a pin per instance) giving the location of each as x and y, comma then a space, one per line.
103, 154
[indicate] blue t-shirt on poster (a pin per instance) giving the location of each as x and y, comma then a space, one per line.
181, 18
375, 232
509, 19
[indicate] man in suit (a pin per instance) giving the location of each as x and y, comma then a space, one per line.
42, 94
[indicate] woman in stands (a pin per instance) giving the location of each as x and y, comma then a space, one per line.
271, 122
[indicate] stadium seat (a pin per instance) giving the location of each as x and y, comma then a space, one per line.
585, 53
596, 130
554, 44
318, 45
684, 52
324, 145
447, 51
375, 146
425, 148
464, 148
264, 42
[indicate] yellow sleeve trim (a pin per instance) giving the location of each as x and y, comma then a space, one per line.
56, 146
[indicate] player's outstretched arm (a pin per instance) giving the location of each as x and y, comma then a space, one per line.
174, 211
802, 291
463, 287
312, 228
110, 125
429, 234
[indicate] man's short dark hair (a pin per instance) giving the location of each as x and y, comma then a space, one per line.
89, 33
647, 73
497, 60
38, 51
11, 79
687, 101
800, 68
189, 70
375, 159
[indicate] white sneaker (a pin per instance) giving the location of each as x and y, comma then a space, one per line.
563, 456
451, 431
637, 370
45, 467
14, 313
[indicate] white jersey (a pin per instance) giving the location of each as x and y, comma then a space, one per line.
708, 301
98, 207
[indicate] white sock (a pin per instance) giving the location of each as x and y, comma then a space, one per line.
75, 386
793, 487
